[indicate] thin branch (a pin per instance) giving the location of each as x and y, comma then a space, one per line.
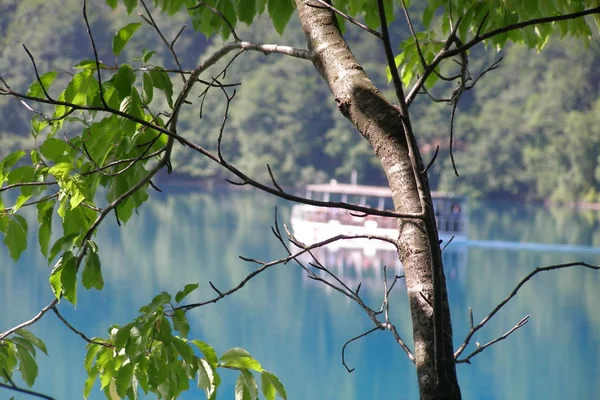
77, 332
220, 15
14, 387
377, 328
37, 75
480, 325
481, 348
445, 52
89, 31
401, 343
324, 4
284, 260
389, 55
31, 321
150, 21
273, 179
437, 149
452, 137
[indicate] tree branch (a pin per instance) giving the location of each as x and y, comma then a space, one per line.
480, 325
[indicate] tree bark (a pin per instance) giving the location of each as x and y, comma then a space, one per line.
390, 133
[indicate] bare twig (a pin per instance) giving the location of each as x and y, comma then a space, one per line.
220, 15
481, 348
325, 4
78, 332
377, 328
14, 387
37, 75
150, 21
30, 321
480, 325
445, 52
437, 149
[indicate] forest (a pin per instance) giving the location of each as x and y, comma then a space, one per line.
529, 129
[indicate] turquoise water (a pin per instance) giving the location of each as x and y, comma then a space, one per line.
296, 328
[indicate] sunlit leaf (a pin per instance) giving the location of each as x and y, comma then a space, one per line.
37, 342
274, 382
186, 290
123, 35
55, 149
35, 90
27, 367
208, 352
124, 379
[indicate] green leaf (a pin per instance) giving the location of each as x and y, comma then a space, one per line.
124, 379
8, 162
274, 382
55, 281
208, 352
35, 90
268, 389
22, 199
280, 12
61, 170
63, 243
55, 149
147, 55
15, 237
243, 363
112, 3
90, 355
180, 323
186, 290
428, 14
249, 382
157, 302
131, 106
161, 81
89, 382
130, 5
90, 64
123, 81
27, 367
82, 84
241, 390
206, 378
122, 36
37, 342
147, 88
68, 278
122, 336
91, 276
241, 359
23, 345
184, 350
246, 10
233, 353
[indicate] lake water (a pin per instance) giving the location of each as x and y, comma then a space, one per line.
296, 328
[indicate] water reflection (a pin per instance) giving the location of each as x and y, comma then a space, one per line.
297, 329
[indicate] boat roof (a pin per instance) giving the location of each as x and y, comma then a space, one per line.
363, 190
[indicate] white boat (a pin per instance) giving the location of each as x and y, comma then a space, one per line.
312, 224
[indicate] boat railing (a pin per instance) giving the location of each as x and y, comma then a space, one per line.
449, 221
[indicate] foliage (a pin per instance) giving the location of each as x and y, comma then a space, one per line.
101, 133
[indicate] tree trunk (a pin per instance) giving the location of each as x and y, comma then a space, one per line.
380, 122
